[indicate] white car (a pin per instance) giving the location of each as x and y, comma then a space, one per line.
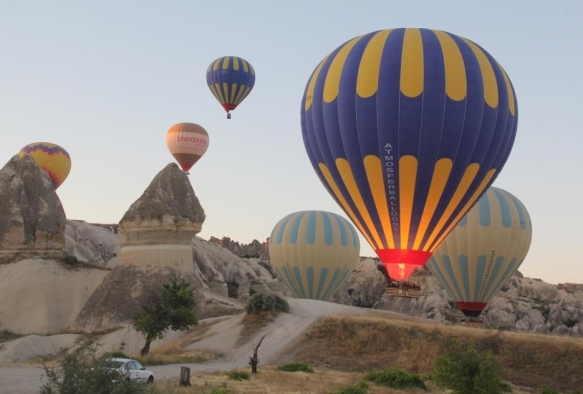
130, 369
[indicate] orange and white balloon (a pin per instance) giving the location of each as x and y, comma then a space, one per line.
187, 142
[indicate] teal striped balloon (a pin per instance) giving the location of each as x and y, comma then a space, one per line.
314, 252
483, 251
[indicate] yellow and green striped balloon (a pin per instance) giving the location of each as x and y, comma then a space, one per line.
483, 251
314, 252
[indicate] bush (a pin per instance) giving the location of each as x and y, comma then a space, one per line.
395, 378
86, 373
238, 375
295, 367
548, 390
359, 388
262, 302
220, 390
115, 354
464, 370
6, 335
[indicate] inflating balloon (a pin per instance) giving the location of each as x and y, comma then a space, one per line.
483, 251
230, 79
314, 252
406, 129
50, 157
187, 142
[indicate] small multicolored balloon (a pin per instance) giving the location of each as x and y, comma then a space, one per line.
52, 158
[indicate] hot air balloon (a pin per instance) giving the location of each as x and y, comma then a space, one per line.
314, 252
230, 79
406, 129
187, 142
50, 157
483, 251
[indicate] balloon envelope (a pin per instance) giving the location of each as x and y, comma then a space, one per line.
314, 252
230, 79
50, 157
187, 142
406, 129
483, 251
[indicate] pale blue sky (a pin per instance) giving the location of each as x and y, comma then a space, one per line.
106, 79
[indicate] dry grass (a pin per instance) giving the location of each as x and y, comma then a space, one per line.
253, 323
269, 380
369, 343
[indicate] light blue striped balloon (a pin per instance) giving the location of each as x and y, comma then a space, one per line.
314, 252
483, 251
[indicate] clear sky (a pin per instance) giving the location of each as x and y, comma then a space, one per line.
106, 79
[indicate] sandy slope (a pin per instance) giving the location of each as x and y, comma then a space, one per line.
52, 295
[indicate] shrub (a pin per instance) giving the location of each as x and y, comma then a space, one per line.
464, 370
548, 390
85, 373
359, 388
6, 335
395, 378
220, 390
295, 367
115, 354
570, 322
505, 387
261, 302
238, 375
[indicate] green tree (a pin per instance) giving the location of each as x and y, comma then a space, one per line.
465, 370
172, 309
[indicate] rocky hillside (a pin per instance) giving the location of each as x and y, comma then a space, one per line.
225, 268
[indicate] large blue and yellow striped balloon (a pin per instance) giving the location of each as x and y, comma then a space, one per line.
483, 251
230, 79
314, 252
406, 129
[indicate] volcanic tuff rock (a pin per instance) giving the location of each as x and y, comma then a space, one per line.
91, 243
167, 212
254, 249
156, 236
32, 219
364, 287
226, 273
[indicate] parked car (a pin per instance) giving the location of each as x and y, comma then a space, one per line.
130, 369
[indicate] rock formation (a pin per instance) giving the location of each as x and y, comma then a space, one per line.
156, 235
91, 243
226, 273
256, 249
32, 219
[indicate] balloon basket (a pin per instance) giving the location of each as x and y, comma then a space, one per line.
474, 323
403, 289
